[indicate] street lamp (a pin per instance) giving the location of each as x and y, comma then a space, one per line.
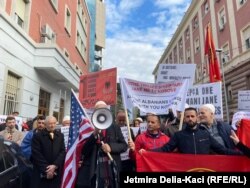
224, 84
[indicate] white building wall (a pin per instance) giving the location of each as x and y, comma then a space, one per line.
19, 54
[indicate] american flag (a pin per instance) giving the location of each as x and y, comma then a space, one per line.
80, 130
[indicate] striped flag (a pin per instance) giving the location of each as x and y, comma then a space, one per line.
80, 130
214, 68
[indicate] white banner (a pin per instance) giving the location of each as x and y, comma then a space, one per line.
244, 100
65, 131
154, 98
125, 155
174, 72
206, 94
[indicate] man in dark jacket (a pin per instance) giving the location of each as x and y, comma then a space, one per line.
194, 139
48, 153
97, 168
219, 130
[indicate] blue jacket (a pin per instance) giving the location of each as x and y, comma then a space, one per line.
195, 141
26, 144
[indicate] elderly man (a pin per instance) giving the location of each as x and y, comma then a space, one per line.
48, 153
95, 170
220, 131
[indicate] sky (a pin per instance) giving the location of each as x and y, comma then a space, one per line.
137, 33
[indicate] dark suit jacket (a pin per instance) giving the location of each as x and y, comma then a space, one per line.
46, 151
118, 145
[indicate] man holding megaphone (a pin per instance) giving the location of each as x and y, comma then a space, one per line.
100, 160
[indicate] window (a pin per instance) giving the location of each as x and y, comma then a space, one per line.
68, 20
80, 45
181, 59
54, 4
12, 93
19, 20
247, 43
197, 45
66, 53
206, 7
2, 3
229, 92
188, 53
180, 44
241, 2
195, 22
225, 53
222, 19
187, 33
44, 103
246, 38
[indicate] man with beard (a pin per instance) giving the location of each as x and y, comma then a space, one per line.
193, 139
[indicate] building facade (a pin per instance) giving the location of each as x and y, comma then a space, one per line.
44, 49
230, 22
97, 39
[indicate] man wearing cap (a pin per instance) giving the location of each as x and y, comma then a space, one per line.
219, 130
137, 122
66, 121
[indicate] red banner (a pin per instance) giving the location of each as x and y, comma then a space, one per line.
98, 86
243, 132
172, 162
214, 68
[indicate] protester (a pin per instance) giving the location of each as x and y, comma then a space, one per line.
66, 121
48, 153
219, 130
97, 169
3, 125
242, 147
193, 139
151, 139
137, 122
128, 165
172, 122
26, 143
10, 132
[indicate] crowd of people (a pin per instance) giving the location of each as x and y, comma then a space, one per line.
100, 161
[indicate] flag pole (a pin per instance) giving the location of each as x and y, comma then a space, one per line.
224, 84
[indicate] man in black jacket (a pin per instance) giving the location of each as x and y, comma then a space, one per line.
48, 153
194, 139
96, 169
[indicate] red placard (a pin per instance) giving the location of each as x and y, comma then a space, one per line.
97, 86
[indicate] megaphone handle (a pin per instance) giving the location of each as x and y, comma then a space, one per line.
109, 155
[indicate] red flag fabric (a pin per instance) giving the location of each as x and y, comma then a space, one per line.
80, 129
214, 68
243, 132
173, 162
